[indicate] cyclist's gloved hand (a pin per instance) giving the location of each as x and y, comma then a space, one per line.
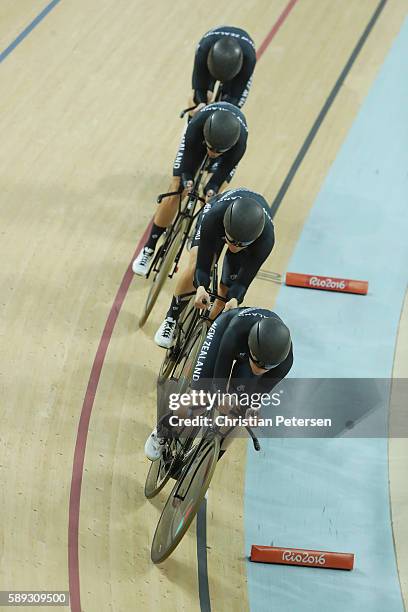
186, 181
229, 403
232, 303
210, 194
202, 299
195, 110
251, 413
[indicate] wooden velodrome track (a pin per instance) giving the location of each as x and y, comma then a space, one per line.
89, 125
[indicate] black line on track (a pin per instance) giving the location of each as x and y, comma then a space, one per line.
203, 585
325, 109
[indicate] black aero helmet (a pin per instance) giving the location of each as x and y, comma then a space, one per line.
224, 59
244, 221
269, 342
221, 131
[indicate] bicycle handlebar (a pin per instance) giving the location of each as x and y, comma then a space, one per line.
161, 196
169, 194
195, 195
210, 293
255, 440
187, 110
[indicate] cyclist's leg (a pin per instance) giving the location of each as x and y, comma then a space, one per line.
155, 444
167, 208
166, 333
164, 216
169, 426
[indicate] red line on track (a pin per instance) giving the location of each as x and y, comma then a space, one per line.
79, 453
83, 426
265, 43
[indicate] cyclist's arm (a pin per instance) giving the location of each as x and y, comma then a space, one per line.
228, 161
206, 250
194, 150
225, 356
201, 79
254, 258
268, 381
241, 82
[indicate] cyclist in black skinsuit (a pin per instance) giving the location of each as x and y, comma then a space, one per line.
219, 130
193, 148
226, 54
246, 349
240, 219
227, 351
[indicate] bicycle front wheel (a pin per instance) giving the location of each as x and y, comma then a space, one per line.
184, 368
161, 276
185, 499
185, 326
157, 477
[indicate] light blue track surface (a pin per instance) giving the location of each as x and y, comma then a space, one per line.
333, 494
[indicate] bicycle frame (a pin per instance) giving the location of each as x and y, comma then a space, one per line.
186, 212
193, 466
192, 315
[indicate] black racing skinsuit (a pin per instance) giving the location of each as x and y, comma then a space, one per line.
193, 150
236, 90
225, 353
240, 268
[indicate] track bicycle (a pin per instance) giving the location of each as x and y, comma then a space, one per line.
165, 262
177, 234
187, 330
177, 369
197, 456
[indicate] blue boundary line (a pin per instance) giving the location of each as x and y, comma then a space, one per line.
325, 108
27, 30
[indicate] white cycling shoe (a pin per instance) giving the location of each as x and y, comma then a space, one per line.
165, 334
154, 446
140, 265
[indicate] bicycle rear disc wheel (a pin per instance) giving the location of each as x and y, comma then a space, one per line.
185, 499
161, 276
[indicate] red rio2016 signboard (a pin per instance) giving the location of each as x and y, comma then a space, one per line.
326, 283
300, 556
